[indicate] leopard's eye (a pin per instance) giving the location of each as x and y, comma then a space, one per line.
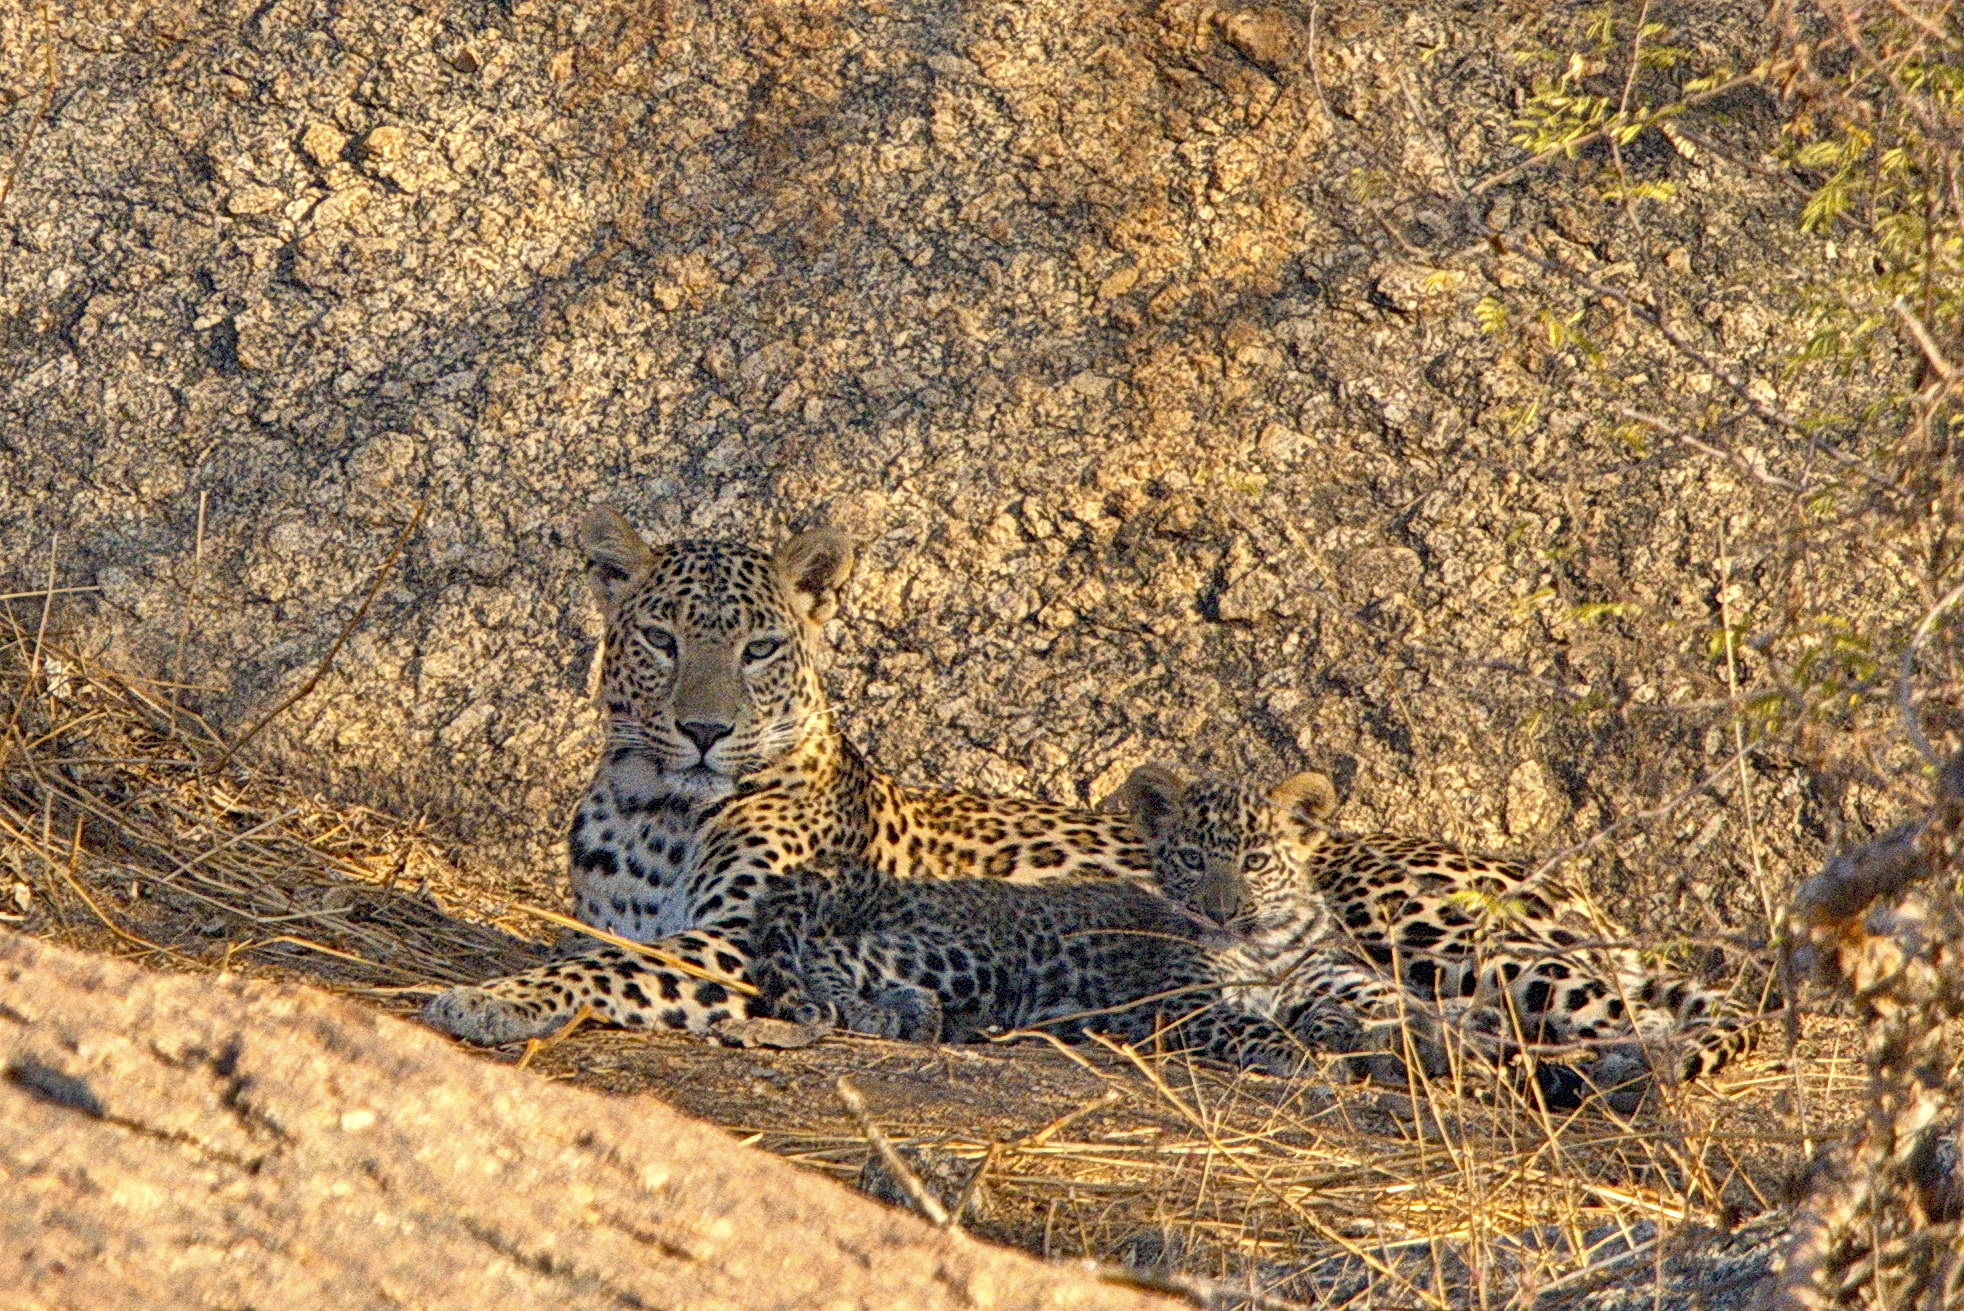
1192, 859
656, 640
763, 648
1255, 861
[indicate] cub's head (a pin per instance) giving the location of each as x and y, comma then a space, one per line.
1235, 855
709, 659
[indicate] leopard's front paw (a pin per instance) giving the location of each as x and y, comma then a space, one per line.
484, 1018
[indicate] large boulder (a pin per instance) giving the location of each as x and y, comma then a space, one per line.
1147, 349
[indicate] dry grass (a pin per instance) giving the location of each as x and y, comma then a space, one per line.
119, 832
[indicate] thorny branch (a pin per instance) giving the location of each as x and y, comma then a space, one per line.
1883, 926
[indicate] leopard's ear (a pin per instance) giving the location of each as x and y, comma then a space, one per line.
813, 566
1156, 798
617, 560
1305, 801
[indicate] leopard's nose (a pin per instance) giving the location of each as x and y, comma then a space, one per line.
705, 735
1220, 895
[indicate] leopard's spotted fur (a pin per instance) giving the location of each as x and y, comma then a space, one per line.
1484, 952
722, 766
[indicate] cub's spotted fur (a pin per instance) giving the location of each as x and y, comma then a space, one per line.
723, 766
954, 960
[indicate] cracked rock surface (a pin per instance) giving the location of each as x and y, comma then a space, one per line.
198, 1141
1135, 342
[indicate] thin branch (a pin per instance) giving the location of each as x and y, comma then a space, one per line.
1942, 367
903, 1173
40, 114
191, 592
1739, 729
39, 592
1603, 834
1730, 457
341, 639
1907, 667
654, 954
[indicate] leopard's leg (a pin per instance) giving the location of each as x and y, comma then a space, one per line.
897, 1009
619, 987
1557, 1000
1252, 1042
1693, 1025
1336, 1003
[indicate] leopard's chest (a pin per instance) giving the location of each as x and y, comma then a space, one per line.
1257, 975
633, 847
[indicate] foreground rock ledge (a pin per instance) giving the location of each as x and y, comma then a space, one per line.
211, 1141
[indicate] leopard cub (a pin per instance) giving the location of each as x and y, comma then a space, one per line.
1221, 847
1439, 946
954, 960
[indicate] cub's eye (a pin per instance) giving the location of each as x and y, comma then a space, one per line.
1191, 859
763, 648
662, 644
1255, 861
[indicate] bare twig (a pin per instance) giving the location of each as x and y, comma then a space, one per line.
191, 592
1939, 365
655, 954
340, 640
40, 114
1604, 833
903, 1173
1315, 65
46, 591
1746, 466
34, 661
974, 1184
1739, 730
1908, 665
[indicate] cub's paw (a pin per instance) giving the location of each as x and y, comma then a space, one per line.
1331, 1027
484, 1018
907, 1013
1622, 1077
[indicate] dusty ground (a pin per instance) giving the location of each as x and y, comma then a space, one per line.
193, 1142
1265, 1182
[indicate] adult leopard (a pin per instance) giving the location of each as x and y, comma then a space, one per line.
722, 766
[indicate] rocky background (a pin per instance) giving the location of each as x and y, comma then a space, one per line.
1149, 350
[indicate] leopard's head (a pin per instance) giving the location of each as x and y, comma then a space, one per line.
1230, 852
710, 658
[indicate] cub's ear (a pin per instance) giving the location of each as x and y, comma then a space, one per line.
617, 560
1155, 796
813, 567
1306, 801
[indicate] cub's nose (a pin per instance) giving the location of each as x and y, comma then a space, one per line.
1220, 895
705, 735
